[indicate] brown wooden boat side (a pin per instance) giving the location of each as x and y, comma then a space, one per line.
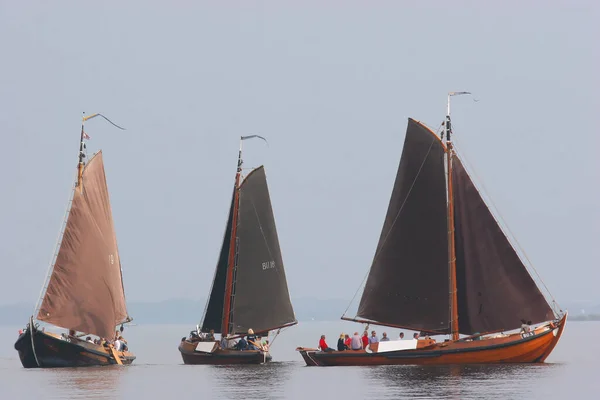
512, 348
221, 356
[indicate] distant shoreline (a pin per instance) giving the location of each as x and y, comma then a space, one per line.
585, 317
185, 311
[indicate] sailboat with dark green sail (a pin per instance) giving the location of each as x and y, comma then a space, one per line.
249, 296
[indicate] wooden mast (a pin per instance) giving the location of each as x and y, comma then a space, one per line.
451, 244
81, 155
80, 166
232, 250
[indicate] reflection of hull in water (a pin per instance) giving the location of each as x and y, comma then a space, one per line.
220, 356
53, 351
507, 349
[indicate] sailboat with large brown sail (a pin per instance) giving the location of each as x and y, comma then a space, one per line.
83, 292
249, 294
444, 266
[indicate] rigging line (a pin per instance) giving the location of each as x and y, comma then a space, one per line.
499, 215
433, 139
276, 335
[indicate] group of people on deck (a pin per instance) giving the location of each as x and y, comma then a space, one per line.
250, 342
118, 342
357, 342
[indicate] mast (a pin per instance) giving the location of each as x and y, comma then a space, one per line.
80, 166
451, 242
451, 246
232, 250
81, 155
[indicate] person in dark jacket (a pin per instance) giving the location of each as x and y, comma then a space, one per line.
241, 344
341, 346
251, 338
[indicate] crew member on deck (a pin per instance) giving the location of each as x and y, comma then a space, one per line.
224, 342
340, 344
251, 338
356, 342
525, 328
211, 335
373, 338
365, 339
347, 341
241, 344
323, 344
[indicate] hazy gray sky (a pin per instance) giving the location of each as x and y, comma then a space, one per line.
331, 85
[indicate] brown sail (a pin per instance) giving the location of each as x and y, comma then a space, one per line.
495, 291
408, 281
261, 297
85, 291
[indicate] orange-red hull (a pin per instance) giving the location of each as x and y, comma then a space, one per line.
512, 348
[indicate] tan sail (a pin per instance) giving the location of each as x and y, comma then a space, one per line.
85, 291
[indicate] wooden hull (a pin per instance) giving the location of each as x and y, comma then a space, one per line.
53, 351
507, 349
220, 356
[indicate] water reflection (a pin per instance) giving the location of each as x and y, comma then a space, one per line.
88, 382
458, 381
266, 381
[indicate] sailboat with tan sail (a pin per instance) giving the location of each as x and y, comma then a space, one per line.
444, 266
249, 294
83, 292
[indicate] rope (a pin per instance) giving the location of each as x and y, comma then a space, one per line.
382, 243
274, 337
501, 220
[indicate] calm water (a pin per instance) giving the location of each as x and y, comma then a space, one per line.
158, 373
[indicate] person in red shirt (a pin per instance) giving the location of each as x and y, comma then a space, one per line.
323, 344
365, 339
348, 341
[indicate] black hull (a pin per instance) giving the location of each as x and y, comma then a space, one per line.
54, 352
222, 357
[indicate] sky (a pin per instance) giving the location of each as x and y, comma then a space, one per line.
330, 85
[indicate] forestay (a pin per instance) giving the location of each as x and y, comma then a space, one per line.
495, 291
408, 280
